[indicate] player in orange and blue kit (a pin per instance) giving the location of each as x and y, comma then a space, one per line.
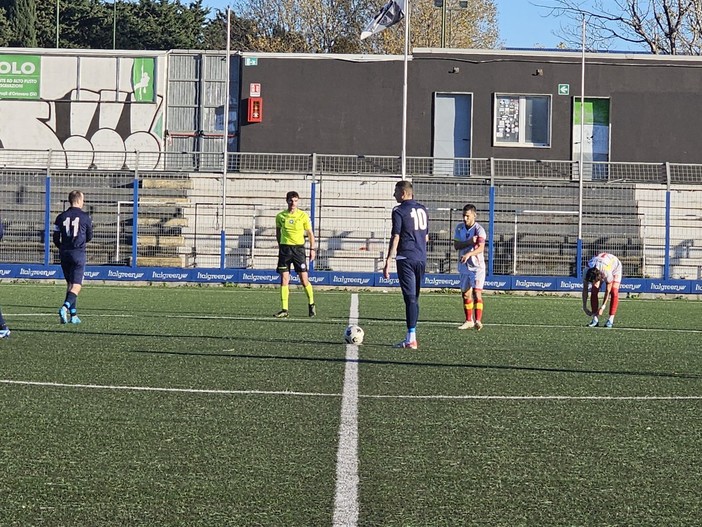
469, 240
605, 268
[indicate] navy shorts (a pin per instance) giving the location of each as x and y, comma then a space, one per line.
73, 266
410, 273
292, 254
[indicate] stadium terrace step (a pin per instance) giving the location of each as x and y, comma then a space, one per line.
160, 241
157, 183
160, 261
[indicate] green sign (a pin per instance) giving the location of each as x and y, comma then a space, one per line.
563, 89
20, 76
250, 61
143, 79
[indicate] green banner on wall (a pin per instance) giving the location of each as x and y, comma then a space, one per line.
20, 76
143, 79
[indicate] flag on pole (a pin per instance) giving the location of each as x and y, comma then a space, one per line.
389, 15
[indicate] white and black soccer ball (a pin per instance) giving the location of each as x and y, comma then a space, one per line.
353, 334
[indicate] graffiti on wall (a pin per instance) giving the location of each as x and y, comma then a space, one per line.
91, 112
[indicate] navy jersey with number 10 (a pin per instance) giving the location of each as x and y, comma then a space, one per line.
411, 222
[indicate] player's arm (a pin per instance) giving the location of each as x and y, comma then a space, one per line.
586, 286
89, 230
313, 244
56, 235
392, 251
458, 245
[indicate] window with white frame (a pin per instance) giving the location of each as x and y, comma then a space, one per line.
522, 120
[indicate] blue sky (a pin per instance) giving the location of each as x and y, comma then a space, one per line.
524, 26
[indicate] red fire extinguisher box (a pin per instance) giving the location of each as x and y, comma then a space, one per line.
255, 110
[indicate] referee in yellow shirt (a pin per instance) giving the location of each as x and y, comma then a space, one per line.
291, 225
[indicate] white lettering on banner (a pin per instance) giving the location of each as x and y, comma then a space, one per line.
122, 274
169, 276
92, 274
442, 282
358, 280
667, 287
209, 276
529, 283
259, 278
570, 285
26, 68
37, 272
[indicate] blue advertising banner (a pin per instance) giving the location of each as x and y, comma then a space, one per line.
338, 279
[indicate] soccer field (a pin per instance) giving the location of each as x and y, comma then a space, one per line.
194, 406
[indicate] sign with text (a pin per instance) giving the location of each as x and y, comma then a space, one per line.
20, 76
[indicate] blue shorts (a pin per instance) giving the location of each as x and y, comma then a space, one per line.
73, 266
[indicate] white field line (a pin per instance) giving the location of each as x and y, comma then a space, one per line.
346, 494
377, 396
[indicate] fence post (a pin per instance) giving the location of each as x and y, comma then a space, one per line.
666, 261
47, 213
313, 201
491, 220
135, 210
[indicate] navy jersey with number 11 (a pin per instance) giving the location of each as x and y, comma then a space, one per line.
411, 222
73, 229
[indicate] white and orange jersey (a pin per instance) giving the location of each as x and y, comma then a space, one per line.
477, 235
609, 265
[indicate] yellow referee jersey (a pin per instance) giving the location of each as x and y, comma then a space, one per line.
293, 226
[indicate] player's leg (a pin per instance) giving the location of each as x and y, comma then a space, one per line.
4, 330
613, 304
283, 268
467, 297
300, 263
594, 303
307, 286
478, 284
408, 286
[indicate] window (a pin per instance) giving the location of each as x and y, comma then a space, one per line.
522, 120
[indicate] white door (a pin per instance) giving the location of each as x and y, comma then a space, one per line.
452, 133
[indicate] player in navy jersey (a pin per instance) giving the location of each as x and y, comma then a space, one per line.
73, 229
4, 330
408, 244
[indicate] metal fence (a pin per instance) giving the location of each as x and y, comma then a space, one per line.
542, 218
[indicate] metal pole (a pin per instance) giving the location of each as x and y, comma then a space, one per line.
225, 146
58, 10
114, 24
404, 94
579, 248
443, 23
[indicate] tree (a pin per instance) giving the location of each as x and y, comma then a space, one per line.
22, 16
474, 26
5, 30
334, 26
664, 27
215, 33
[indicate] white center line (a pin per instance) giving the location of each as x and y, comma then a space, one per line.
346, 499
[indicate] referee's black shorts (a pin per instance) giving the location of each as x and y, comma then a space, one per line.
292, 254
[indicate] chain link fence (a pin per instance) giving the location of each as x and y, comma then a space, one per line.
178, 214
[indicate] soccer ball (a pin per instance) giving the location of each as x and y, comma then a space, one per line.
353, 334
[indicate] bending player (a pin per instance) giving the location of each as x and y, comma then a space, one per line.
605, 268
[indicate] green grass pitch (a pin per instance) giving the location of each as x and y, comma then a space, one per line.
193, 406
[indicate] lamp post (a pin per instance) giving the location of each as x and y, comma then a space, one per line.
114, 24
58, 9
462, 4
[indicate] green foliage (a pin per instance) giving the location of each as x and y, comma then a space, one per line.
22, 15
